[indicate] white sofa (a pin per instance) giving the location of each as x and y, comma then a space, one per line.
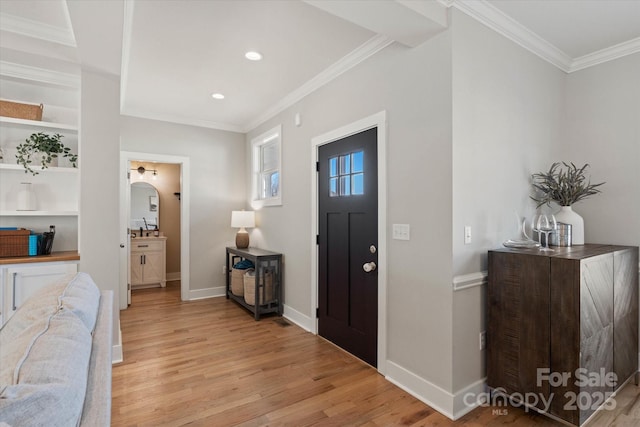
55, 354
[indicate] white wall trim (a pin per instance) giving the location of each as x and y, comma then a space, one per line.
379, 121
300, 319
498, 21
117, 355
26, 72
473, 392
466, 281
423, 390
184, 120
360, 54
609, 54
195, 294
453, 406
172, 277
37, 30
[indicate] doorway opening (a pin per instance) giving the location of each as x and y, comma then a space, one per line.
180, 165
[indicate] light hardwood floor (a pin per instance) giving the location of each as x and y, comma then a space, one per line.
208, 363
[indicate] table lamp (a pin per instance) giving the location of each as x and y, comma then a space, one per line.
242, 219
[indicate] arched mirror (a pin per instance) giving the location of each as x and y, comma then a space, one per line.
145, 206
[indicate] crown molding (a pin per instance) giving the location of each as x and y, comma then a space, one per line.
38, 30
366, 50
26, 72
498, 21
604, 55
184, 121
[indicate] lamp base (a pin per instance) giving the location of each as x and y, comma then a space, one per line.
242, 240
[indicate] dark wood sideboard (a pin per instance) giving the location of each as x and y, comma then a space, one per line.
559, 323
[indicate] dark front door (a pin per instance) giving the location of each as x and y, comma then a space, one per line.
348, 241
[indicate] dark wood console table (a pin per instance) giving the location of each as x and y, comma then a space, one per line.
266, 262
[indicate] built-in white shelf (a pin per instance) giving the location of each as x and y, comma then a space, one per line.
38, 124
38, 213
54, 169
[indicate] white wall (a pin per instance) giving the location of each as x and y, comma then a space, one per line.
99, 159
414, 87
217, 163
602, 128
507, 116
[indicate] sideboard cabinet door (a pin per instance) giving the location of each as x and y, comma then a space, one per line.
518, 322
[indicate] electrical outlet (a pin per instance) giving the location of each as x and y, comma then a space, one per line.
483, 340
224, 270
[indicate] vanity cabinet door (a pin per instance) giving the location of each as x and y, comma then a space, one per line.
137, 268
154, 267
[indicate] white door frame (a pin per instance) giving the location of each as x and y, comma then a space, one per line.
125, 158
378, 120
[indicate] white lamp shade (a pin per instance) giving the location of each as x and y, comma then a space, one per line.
242, 219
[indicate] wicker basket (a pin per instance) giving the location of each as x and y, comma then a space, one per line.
14, 242
237, 284
265, 293
19, 110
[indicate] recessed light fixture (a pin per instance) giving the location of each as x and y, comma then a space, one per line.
253, 56
217, 96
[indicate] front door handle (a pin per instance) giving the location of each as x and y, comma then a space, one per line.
368, 267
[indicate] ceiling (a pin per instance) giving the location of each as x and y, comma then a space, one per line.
173, 54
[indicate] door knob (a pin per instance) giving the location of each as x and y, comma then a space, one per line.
369, 266
122, 245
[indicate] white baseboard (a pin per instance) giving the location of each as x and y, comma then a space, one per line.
172, 277
116, 351
469, 398
429, 393
453, 406
219, 291
304, 321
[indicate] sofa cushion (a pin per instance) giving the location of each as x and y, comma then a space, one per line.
76, 293
50, 379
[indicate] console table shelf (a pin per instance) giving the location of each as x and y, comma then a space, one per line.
264, 262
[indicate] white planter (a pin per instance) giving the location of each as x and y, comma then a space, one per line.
26, 197
568, 216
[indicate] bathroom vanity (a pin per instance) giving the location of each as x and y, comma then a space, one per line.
148, 262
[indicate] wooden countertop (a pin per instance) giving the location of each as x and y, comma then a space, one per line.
53, 257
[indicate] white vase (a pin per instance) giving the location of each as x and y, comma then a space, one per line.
568, 216
26, 197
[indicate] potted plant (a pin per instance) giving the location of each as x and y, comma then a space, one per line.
49, 146
565, 184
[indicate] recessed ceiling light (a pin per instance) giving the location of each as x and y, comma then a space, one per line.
217, 96
253, 56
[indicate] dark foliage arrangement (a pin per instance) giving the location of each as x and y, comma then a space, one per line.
565, 186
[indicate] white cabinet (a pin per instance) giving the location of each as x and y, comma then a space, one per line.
148, 261
20, 281
57, 187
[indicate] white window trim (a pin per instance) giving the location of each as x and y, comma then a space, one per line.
257, 143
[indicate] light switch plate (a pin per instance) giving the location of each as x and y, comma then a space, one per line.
401, 232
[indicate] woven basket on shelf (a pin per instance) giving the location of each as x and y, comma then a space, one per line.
14, 243
265, 293
20, 110
237, 284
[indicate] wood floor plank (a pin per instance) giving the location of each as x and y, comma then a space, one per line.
208, 363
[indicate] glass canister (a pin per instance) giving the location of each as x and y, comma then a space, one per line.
562, 236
